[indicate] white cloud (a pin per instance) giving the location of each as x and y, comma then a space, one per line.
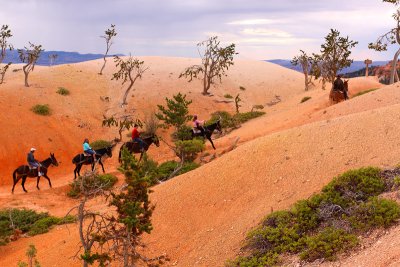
266, 32
254, 22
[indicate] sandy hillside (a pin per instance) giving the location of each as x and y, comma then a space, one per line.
202, 217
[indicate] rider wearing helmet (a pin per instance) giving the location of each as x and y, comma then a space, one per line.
32, 162
198, 125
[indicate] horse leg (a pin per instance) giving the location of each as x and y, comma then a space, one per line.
101, 164
15, 182
209, 139
76, 168
79, 169
37, 183
48, 179
141, 155
23, 183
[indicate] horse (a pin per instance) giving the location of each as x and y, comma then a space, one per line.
24, 171
82, 159
134, 147
208, 131
336, 96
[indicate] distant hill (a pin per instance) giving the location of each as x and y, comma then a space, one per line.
63, 57
355, 66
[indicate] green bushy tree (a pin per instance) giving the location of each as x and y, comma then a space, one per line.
5, 34
29, 56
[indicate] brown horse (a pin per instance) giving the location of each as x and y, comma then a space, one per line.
24, 171
336, 96
133, 147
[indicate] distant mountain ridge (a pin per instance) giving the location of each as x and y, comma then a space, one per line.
62, 58
355, 66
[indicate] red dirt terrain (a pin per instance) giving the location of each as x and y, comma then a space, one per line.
201, 217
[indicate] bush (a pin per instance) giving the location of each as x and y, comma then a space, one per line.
270, 259
227, 120
228, 96
99, 144
165, 169
353, 186
63, 91
43, 110
184, 133
189, 149
27, 221
376, 212
364, 92
246, 116
327, 244
88, 181
304, 99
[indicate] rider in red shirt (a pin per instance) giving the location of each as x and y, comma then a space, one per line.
136, 137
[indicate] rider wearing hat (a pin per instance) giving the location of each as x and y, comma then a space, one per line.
32, 162
338, 85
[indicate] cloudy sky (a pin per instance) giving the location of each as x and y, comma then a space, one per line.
261, 29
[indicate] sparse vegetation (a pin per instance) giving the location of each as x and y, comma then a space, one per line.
216, 61
31, 254
365, 92
86, 182
5, 34
304, 99
228, 96
324, 225
43, 110
242, 88
305, 61
15, 222
29, 56
109, 34
63, 91
99, 144
124, 122
230, 122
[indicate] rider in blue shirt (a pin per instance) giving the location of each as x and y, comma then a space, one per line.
88, 150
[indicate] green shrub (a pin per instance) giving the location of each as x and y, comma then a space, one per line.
189, 148
304, 99
228, 96
364, 92
184, 133
43, 110
63, 91
377, 212
246, 116
269, 259
353, 186
227, 120
27, 221
99, 144
306, 216
165, 169
327, 244
105, 181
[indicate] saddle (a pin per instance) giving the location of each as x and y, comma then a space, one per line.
196, 131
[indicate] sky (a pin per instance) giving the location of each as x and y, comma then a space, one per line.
261, 29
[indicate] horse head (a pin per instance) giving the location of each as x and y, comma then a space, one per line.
156, 140
53, 159
109, 151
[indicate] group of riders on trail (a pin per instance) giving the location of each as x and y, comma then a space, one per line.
338, 85
198, 129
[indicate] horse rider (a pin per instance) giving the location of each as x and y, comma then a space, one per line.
88, 150
338, 85
198, 125
32, 162
136, 137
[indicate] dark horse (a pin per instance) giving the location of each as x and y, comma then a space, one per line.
208, 131
133, 147
336, 96
82, 159
24, 171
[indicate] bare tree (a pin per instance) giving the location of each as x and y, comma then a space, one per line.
52, 59
390, 37
216, 61
109, 34
29, 56
5, 34
130, 69
305, 61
